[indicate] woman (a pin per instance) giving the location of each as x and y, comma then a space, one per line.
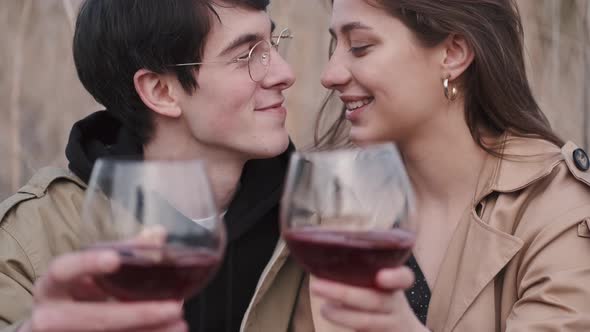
503, 204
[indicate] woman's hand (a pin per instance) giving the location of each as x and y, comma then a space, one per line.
370, 310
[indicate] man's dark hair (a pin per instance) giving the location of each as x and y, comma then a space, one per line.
116, 38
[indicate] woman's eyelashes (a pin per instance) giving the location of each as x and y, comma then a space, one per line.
359, 50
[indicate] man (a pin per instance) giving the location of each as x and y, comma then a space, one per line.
180, 79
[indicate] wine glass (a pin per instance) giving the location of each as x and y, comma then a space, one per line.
346, 214
161, 219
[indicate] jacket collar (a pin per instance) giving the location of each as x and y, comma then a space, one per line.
525, 161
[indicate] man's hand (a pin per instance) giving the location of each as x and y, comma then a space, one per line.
68, 300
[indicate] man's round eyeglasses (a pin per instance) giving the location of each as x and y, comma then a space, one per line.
258, 57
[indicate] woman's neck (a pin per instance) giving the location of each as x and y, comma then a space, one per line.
443, 160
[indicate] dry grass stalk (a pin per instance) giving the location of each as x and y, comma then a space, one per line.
16, 93
70, 14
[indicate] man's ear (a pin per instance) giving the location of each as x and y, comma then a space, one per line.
157, 92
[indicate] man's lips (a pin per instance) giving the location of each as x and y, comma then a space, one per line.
274, 108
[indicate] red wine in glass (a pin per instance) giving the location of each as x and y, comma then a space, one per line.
149, 272
349, 257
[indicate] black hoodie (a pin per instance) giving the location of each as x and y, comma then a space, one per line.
251, 220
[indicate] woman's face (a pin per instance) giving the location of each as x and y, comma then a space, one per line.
390, 84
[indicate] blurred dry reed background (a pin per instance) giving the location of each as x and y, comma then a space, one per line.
40, 96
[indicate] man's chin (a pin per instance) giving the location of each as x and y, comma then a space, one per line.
272, 150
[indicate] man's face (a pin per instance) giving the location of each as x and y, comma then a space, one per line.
229, 111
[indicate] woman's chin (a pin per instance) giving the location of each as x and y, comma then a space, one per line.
363, 136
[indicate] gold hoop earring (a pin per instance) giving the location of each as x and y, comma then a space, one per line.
450, 93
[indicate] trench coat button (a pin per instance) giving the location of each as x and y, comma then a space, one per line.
581, 160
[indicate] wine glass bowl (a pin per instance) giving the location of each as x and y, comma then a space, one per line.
346, 214
161, 219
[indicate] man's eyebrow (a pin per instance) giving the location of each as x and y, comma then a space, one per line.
348, 27
247, 38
